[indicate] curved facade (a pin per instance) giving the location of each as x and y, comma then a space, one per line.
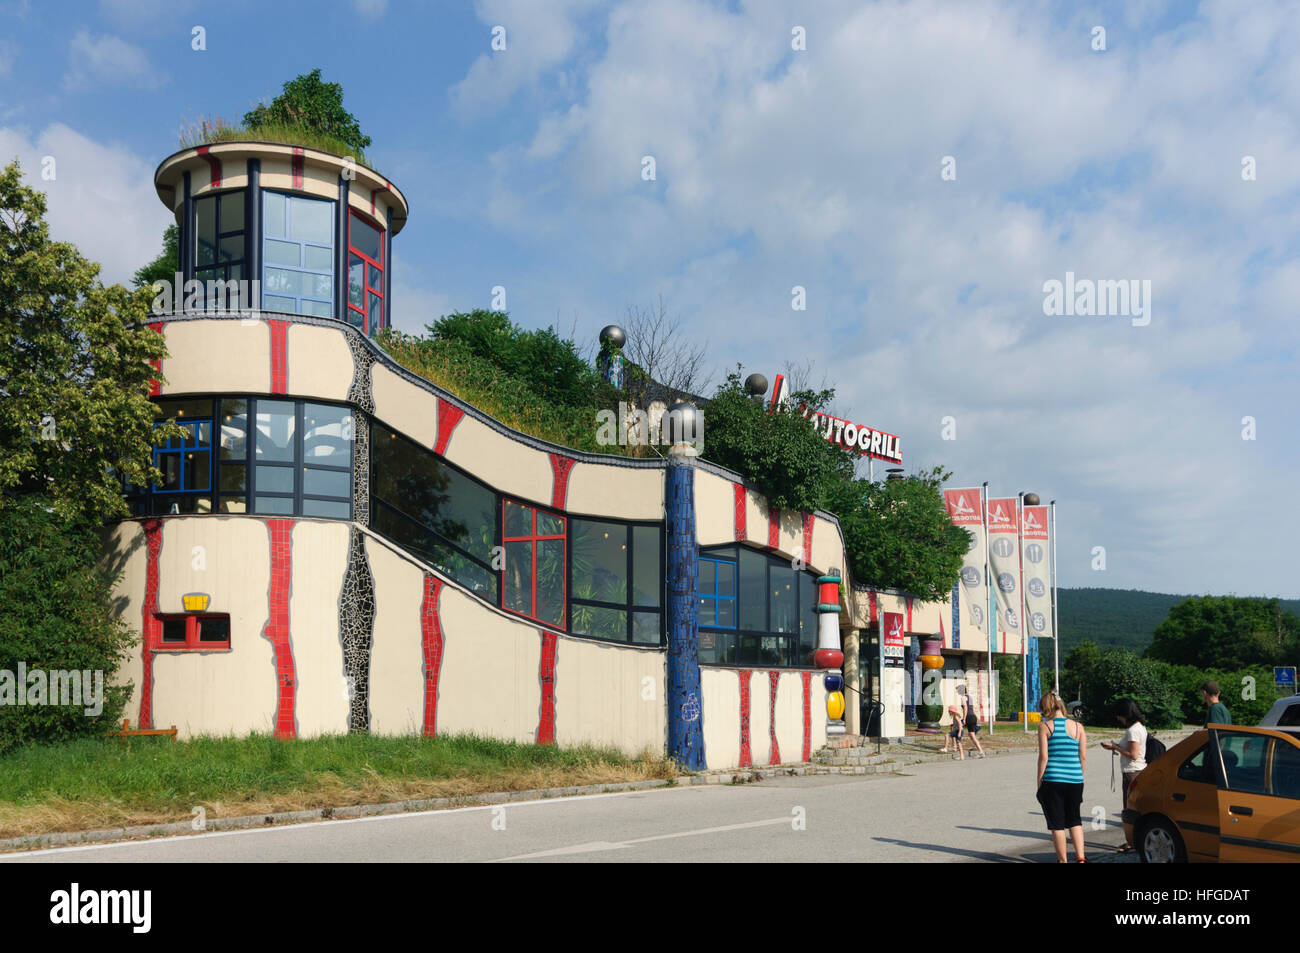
339, 545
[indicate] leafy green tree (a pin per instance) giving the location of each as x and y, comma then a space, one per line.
165, 266
74, 369
899, 533
775, 449
550, 365
308, 102
56, 613
1227, 632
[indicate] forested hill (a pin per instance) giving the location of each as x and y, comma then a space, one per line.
1125, 618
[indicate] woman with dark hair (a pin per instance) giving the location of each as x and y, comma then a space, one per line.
1131, 750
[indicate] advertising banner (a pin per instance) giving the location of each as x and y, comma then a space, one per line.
1035, 552
891, 640
1004, 560
972, 597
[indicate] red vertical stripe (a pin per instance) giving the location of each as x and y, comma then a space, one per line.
872, 608
807, 715
808, 520
155, 385
431, 643
151, 628
560, 468
448, 417
908, 627
297, 166
214, 166
746, 759
279, 356
277, 626
546, 721
741, 512
774, 527
773, 678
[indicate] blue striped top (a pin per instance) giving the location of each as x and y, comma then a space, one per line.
1062, 755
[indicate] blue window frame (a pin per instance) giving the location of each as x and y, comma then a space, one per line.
186, 461
718, 593
297, 254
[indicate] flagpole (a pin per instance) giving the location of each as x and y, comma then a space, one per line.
988, 601
1024, 636
1056, 632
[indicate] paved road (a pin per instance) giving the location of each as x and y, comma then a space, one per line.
939, 812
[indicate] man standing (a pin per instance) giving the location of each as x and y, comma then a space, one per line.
1216, 711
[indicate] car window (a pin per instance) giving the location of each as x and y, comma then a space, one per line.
1286, 770
1290, 717
1193, 769
1243, 761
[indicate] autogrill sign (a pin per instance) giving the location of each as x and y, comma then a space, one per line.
855, 438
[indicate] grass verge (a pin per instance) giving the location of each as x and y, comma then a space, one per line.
98, 783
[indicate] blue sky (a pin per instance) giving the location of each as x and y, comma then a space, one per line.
818, 168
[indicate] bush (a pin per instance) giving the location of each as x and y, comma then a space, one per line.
55, 614
1186, 681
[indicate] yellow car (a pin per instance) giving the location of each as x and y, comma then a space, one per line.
1226, 793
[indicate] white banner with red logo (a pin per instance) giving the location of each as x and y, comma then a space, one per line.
1035, 564
972, 597
1004, 563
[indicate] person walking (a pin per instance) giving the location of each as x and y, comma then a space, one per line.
970, 719
1131, 749
954, 733
1062, 758
1216, 712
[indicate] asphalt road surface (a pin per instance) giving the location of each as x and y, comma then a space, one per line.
977, 810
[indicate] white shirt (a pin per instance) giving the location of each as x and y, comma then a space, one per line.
1138, 733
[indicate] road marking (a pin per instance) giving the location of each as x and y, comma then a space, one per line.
282, 828
595, 846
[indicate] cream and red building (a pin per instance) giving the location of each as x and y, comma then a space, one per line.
339, 545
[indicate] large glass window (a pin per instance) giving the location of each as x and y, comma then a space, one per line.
365, 274
533, 573
615, 576
297, 254
296, 460
446, 517
755, 609
219, 249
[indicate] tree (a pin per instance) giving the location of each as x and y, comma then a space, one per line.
165, 266
899, 533
308, 102
775, 449
56, 615
657, 346
74, 370
1226, 632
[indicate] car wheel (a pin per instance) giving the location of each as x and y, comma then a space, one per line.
1160, 843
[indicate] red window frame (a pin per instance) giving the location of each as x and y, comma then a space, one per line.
191, 643
533, 538
365, 277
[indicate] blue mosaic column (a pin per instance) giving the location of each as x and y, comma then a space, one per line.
1035, 683
685, 735
909, 666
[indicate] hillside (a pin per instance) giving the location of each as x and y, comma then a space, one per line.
1124, 618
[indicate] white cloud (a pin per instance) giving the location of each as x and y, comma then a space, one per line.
821, 168
101, 198
370, 9
108, 61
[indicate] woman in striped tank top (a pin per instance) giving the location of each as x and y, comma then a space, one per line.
1062, 757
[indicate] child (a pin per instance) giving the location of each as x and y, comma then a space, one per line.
956, 733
